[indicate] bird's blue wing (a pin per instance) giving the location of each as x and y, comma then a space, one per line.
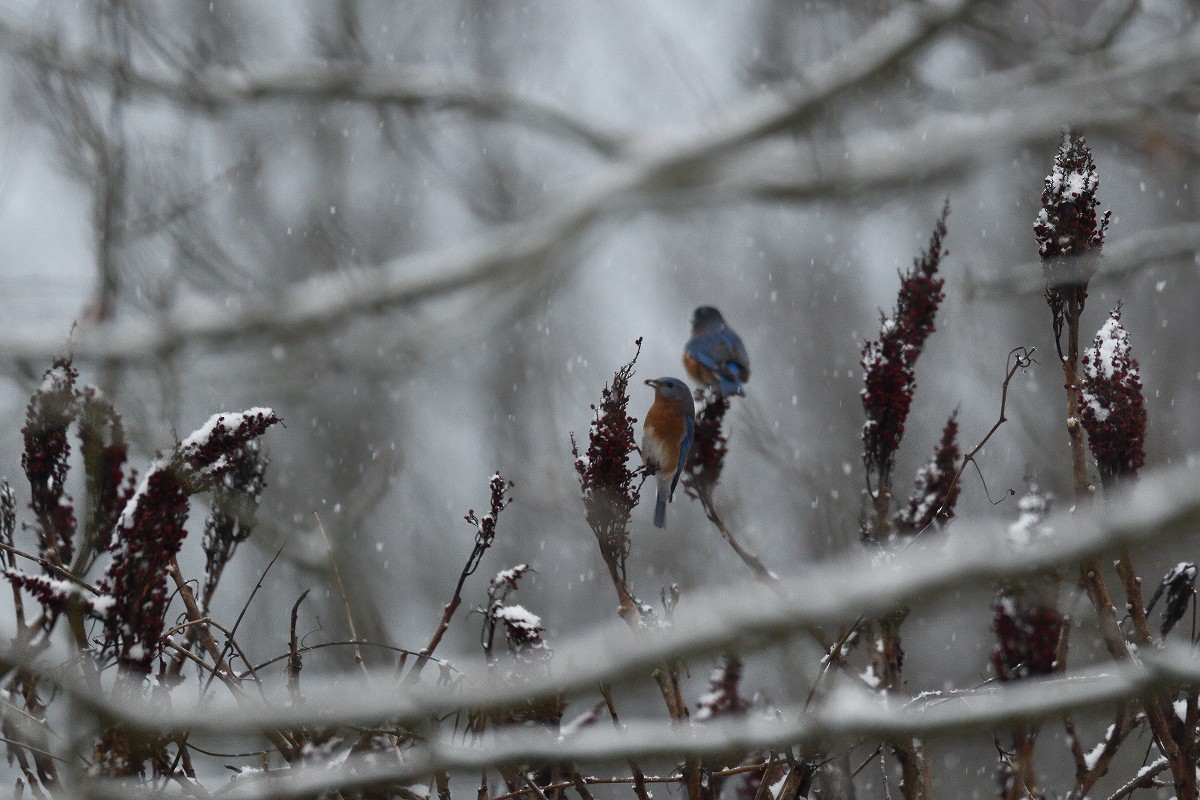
686, 445
722, 352
700, 348
739, 359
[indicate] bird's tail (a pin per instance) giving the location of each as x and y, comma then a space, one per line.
730, 386
660, 510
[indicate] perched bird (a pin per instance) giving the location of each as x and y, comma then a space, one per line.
715, 355
667, 436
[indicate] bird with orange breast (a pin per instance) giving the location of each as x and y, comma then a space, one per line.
667, 436
715, 356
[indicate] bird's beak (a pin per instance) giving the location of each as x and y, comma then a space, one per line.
653, 383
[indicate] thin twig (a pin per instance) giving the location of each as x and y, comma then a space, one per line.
533, 787
704, 492
639, 777
655, 163
351, 643
1143, 780
61, 572
337, 577
1021, 358
618, 780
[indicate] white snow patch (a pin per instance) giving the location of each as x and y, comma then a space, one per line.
229, 421
520, 617
1033, 509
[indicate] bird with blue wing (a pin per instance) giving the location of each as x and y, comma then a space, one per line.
715, 355
667, 435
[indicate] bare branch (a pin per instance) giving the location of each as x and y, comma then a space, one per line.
516, 251
746, 617
210, 87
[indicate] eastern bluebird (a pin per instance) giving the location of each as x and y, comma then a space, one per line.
667, 436
715, 355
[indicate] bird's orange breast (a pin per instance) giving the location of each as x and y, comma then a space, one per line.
664, 430
698, 372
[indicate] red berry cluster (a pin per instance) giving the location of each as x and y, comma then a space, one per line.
1027, 636
722, 697
121, 754
233, 515
51, 410
706, 458
608, 483
486, 525
1113, 408
523, 632
45, 590
889, 363
146, 541
936, 490
104, 449
1067, 224
215, 452
151, 529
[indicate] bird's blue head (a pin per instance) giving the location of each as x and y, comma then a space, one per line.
707, 317
673, 389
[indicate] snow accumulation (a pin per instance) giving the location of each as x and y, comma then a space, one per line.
226, 419
520, 617
125, 521
511, 575
1033, 508
56, 378
1112, 349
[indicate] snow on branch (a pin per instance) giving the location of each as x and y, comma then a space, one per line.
377, 84
744, 618
653, 162
150, 530
1114, 407
848, 713
943, 142
1166, 247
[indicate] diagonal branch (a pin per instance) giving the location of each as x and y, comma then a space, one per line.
517, 251
208, 88
748, 617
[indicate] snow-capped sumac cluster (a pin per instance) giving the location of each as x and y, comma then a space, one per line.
104, 449
213, 449
57, 404
8, 517
936, 491
723, 699
889, 362
523, 632
1027, 635
50, 412
1113, 409
1067, 224
607, 481
151, 530
1068, 229
234, 513
148, 536
706, 458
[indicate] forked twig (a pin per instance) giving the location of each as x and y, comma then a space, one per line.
1021, 358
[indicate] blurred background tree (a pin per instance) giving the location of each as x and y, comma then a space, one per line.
424, 233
